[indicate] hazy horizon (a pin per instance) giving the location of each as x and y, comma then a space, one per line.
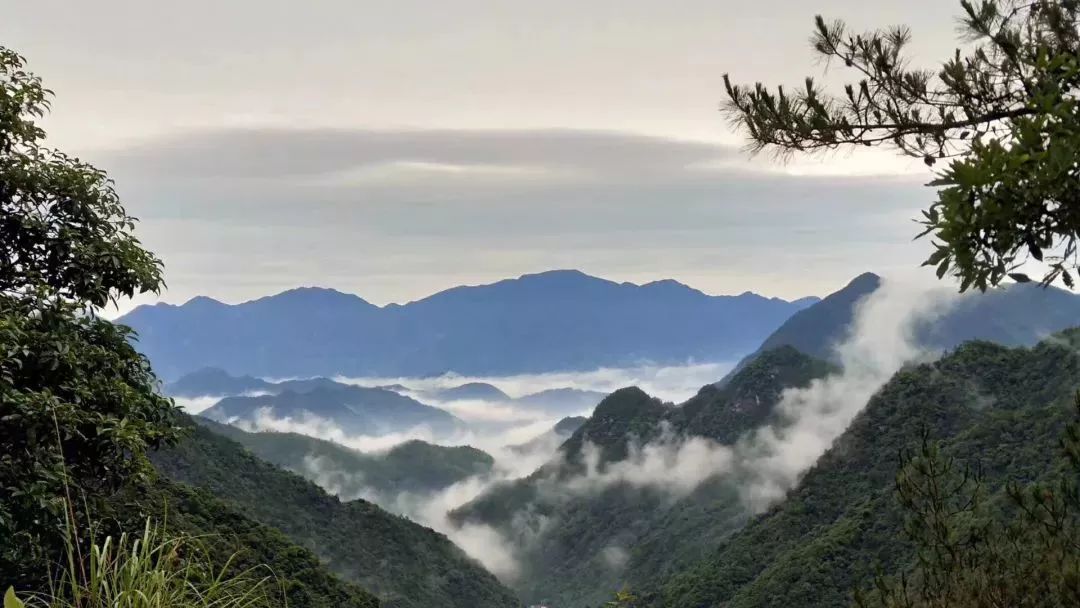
113, 312
396, 152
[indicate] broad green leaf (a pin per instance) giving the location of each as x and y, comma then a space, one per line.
11, 601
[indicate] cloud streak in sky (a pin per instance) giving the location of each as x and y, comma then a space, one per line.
397, 214
282, 154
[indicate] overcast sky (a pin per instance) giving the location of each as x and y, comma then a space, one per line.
392, 149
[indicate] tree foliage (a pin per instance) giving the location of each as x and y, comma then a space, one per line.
969, 558
78, 405
1000, 115
406, 565
1002, 409
576, 547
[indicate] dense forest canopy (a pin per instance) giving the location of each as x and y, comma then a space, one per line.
80, 406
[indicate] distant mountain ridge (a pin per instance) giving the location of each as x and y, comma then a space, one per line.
470, 391
353, 409
242, 397
1011, 315
552, 321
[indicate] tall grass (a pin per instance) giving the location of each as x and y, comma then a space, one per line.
152, 570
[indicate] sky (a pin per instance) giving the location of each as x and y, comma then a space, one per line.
394, 149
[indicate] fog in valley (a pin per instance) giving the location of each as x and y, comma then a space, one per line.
767, 461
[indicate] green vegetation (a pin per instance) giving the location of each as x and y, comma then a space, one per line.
968, 555
151, 570
413, 466
994, 407
1003, 114
578, 547
233, 538
78, 406
404, 564
81, 415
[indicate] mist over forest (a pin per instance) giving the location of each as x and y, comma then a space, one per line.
633, 304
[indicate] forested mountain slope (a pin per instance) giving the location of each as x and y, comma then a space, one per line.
581, 536
999, 408
413, 466
404, 564
230, 534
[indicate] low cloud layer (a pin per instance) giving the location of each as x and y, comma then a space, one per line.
881, 341
766, 462
482, 542
676, 465
315, 426
671, 383
769, 461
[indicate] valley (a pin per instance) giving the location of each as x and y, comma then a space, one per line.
568, 489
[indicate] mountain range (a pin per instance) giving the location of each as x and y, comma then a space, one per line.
360, 410
576, 546
551, 321
831, 533
1001, 411
354, 410
599, 516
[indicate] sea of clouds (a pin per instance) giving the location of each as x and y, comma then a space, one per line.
768, 461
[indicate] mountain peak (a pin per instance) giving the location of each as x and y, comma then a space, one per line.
625, 404
866, 281
668, 283
202, 301
672, 286
558, 272
560, 276
315, 290
313, 294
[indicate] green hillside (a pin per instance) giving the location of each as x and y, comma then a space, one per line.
413, 466
1003, 409
577, 547
404, 564
230, 534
